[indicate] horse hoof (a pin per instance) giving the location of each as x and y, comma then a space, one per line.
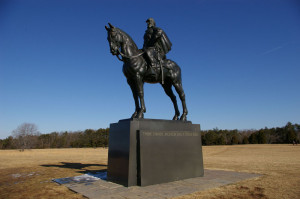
183, 118
140, 116
134, 115
175, 117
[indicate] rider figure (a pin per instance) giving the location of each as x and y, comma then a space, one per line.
156, 44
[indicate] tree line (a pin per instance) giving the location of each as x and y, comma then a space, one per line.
27, 136
290, 133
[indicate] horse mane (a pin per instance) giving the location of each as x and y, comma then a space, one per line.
128, 37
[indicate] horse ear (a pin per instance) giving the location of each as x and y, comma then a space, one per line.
111, 26
107, 28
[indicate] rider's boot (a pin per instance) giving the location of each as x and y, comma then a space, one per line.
151, 72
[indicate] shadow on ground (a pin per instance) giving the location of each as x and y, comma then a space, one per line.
78, 166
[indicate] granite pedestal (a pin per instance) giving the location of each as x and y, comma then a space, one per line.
147, 151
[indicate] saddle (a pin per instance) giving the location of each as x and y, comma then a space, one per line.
155, 71
156, 62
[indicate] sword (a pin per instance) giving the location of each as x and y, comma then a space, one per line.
162, 71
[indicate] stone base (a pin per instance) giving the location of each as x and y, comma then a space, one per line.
147, 151
102, 189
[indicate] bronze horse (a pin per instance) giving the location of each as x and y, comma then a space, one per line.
135, 69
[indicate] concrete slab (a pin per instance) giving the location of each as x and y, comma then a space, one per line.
95, 186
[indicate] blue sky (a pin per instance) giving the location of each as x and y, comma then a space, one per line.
239, 58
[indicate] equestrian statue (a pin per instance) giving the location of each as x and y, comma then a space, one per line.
147, 65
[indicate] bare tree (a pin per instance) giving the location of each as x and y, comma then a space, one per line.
26, 135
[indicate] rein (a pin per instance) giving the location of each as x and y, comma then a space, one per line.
128, 57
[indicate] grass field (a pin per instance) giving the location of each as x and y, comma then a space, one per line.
28, 174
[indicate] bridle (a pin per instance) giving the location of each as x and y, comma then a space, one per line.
126, 56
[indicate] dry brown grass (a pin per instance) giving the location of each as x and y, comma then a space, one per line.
28, 174
279, 164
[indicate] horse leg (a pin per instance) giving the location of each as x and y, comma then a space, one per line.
140, 92
168, 90
135, 96
179, 90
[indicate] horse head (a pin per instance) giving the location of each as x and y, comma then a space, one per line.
114, 38
120, 42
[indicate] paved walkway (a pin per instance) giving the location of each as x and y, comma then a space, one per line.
95, 186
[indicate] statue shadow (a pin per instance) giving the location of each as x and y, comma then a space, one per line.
83, 168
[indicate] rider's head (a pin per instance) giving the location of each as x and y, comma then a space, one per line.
150, 23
